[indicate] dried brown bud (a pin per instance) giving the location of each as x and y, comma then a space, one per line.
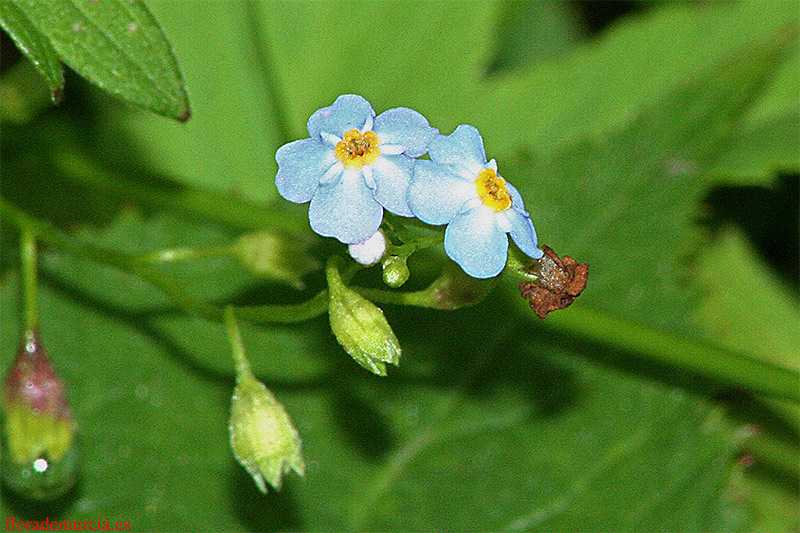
560, 281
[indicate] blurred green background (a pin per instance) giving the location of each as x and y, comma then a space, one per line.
656, 141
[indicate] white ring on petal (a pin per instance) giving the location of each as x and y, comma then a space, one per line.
368, 123
330, 138
332, 174
502, 220
391, 149
472, 203
366, 170
468, 174
492, 164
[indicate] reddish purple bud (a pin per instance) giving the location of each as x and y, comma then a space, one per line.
39, 453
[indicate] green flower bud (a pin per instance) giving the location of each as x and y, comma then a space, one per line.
360, 326
276, 255
395, 271
263, 439
39, 458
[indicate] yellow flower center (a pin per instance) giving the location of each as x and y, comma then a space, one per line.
492, 190
357, 149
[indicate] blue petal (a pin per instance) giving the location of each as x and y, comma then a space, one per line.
463, 148
345, 209
522, 230
436, 193
516, 198
392, 175
474, 240
407, 128
301, 164
348, 112
523, 233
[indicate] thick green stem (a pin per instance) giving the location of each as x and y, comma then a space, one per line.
721, 365
29, 256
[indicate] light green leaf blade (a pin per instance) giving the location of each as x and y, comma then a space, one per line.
35, 47
117, 45
435, 66
759, 151
635, 64
229, 145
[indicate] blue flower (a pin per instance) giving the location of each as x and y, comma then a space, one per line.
458, 187
353, 167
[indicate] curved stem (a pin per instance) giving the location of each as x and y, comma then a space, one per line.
133, 265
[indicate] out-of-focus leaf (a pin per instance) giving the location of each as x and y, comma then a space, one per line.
116, 44
23, 94
759, 151
229, 145
35, 47
739, 289
530, 31
634, 65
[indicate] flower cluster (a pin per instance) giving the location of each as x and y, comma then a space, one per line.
356, 164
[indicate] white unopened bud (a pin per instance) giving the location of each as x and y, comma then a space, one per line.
370, 251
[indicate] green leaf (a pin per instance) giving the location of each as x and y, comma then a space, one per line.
759, 299
517, 429
116, 44
639, 61
35, 47
757, 152
231, 140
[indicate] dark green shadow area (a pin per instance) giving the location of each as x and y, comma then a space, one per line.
768, 216
274, 511
27, 509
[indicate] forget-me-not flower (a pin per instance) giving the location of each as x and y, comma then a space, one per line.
458, 187
353, 166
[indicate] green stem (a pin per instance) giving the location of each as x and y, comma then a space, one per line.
722, 365
423, 298
133, 265
169, 255
237, 346
29, 278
